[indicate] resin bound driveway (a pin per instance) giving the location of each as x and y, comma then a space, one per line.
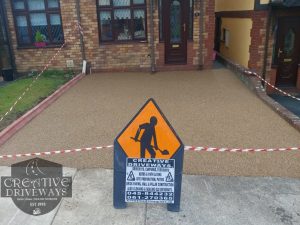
206, 108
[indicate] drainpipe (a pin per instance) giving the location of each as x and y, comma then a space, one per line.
201, 34
82, 49
8, 37
266, 50
152, 46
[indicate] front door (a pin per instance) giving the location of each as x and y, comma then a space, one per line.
288, 51
175, 28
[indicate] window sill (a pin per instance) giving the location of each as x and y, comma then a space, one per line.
33, 47
188, 41
123, 42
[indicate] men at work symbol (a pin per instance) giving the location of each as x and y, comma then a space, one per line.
146, 139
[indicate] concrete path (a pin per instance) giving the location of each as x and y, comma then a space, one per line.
205, 200
206, 108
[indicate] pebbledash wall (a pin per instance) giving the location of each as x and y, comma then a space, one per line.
131, 56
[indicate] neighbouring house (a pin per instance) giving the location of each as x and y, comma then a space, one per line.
262, 35
119, 35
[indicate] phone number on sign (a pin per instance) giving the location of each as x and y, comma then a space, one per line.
157, 196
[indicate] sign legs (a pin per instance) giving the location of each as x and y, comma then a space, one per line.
119, 177
178, 180
177, 194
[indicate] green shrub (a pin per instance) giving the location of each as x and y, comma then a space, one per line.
39, 37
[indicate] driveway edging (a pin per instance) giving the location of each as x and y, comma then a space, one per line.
254, 84
18, 124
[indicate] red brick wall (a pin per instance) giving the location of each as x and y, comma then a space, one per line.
111, 56
209, 33
271, 72
258, 37
271, 78
34, 58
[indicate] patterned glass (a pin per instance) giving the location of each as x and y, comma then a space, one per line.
104, 2
139, 24
161, 32
121, 2
122, 14
122, 22
175, 22
138, 2
191, 19
289, 43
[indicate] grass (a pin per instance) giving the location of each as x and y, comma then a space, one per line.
47, 83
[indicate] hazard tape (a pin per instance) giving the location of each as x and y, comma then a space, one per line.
55, 152
77, 28
249, 72
186, 148
210, 149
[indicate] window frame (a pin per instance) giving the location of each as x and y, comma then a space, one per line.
225, 37
111, 8
26, 12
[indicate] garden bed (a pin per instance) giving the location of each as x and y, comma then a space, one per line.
47, 83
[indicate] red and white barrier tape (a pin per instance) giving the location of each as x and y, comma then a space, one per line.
266, 82
186, 148
210, 149
54, 152
77, 28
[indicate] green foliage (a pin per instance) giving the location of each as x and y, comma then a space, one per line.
49, 81
39, 37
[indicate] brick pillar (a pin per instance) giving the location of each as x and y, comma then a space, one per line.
258, 37
209, 34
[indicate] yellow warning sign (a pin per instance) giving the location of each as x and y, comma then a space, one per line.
149, 135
